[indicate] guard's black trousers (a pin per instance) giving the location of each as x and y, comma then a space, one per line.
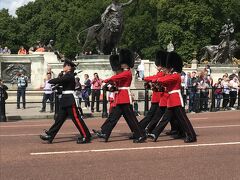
63, 113
117, 112
154, 120
179, 114
150, 114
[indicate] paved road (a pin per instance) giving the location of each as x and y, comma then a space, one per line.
216, 155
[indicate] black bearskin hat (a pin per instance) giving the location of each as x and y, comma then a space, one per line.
161, 58
174, 61
114, 62
126, 57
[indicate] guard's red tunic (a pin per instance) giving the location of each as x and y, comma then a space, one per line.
123, 81
155, 95
172, 82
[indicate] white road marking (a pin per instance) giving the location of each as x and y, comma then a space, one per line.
208, 127
137, 148
19, 135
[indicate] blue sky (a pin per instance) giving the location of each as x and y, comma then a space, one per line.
12, 5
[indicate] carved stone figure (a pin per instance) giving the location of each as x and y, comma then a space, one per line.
108, 33
222, 53
10, 71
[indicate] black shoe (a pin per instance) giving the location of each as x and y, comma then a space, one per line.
46, 138
100, 134
82, 140
152, 136
46, 131
140, 139
189, 139
18, 107
42, 110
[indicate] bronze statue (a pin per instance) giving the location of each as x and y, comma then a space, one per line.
108, 33
222, 53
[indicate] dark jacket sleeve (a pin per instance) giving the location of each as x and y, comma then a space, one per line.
60, 80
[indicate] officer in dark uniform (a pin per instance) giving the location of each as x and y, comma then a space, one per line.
67, 106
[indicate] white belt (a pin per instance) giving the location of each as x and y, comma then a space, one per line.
129, 93
174, 91
74, 95
180, 95
124, 88
68, 92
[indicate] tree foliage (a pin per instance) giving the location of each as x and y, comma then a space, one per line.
149, 24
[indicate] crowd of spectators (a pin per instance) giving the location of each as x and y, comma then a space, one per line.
199, 90
38, 47
5, 50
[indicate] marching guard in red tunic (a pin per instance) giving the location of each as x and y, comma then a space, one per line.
123, 100
161, 96
160, 62
172, 82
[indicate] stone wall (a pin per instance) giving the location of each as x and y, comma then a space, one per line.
217, 69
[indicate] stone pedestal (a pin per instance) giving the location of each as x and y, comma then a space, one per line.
90, 64
33, 62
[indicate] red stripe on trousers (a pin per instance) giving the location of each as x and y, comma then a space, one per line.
78, 121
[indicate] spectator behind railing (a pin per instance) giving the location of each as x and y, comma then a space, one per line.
226, 91
22, 83
192, 88
204, 94
218, 93
22, 51
48, 94
234, 86
86, 90
96, 91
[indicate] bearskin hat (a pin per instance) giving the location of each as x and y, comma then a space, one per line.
161, 58
126, 57
174, 61
114, 62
